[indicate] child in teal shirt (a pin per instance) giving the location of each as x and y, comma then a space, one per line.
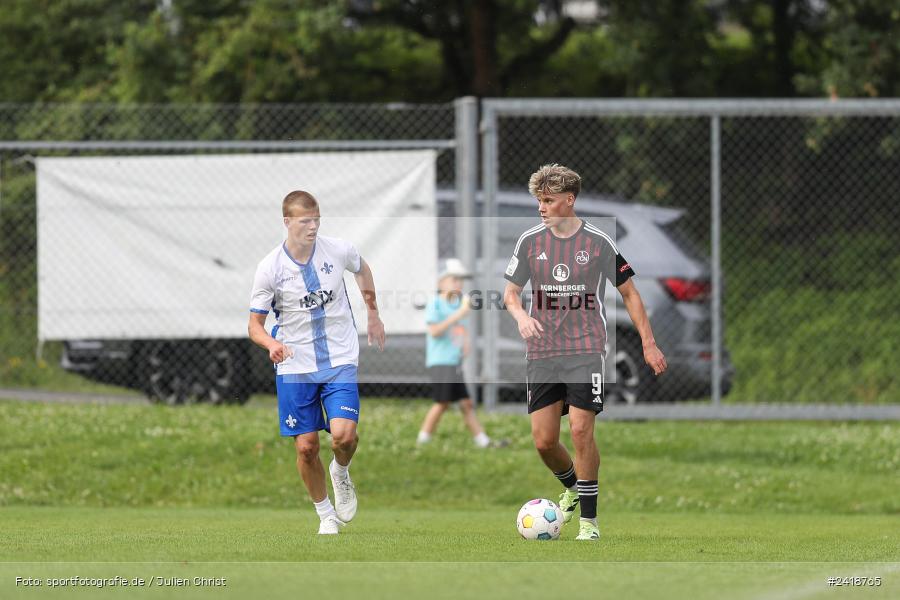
448, 344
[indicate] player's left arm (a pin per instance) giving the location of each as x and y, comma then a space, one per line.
635, 307
366, 283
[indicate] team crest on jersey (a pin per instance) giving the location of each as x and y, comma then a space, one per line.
326, 268
581, 257
561, 272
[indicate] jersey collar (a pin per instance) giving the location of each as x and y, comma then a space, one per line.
562, 239
297, 262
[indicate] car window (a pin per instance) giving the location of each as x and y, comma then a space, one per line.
676, 232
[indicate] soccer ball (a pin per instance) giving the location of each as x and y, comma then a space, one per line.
540, 519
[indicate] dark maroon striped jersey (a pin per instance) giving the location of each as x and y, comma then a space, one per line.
568, 280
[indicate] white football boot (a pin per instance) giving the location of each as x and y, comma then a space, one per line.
330, 525
344, 495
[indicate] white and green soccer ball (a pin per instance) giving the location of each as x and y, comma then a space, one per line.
540, 519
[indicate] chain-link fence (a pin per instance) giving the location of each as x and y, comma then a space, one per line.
762, 234
135, 259
795, 201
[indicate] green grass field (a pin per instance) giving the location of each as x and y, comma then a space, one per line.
705, 510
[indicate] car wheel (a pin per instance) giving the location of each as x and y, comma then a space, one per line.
635, 381
195, 372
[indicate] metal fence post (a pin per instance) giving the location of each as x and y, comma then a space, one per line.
716, 235
466, 111
489, 253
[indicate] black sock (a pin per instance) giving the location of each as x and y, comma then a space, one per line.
587, 497
567, 478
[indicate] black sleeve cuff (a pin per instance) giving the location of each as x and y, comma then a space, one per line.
624, 272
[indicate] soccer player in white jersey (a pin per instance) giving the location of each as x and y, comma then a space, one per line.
315, 348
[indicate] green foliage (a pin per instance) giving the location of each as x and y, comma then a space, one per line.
863, 51
657, 60
283, 53
55, 50
779, 43
148, 67
804, 345
824, 331
269, 51
312, 50
589, 64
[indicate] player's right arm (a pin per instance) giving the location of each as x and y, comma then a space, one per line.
517, 274
261, 299
256, 328
528, 325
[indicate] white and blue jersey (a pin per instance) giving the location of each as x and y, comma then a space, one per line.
312, 310
314, 319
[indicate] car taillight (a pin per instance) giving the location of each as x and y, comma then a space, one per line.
687, 290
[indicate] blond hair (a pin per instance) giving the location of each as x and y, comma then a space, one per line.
298, 198
554, 179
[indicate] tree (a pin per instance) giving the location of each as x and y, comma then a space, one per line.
862, 51
785, 40
485, 44
56, 50
270, 51
665, 45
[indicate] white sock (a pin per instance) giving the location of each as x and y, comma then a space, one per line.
482, 440
591, 521
423, 438
340, 471
324, 508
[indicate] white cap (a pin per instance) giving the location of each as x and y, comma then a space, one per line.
453, 267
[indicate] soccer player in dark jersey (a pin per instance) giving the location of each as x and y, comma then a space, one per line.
568, 262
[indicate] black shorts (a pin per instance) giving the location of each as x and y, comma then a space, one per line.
575, 379
447, 383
